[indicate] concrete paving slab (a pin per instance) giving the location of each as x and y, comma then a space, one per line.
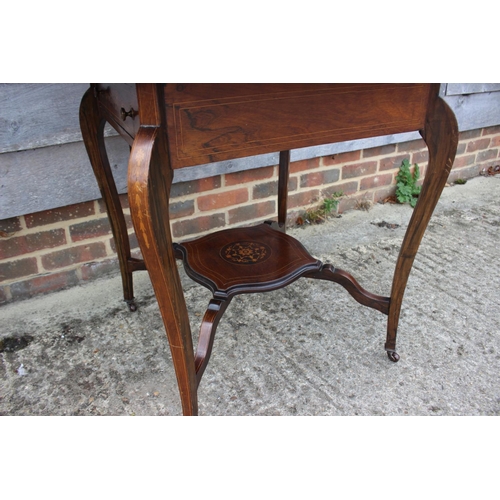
308, 349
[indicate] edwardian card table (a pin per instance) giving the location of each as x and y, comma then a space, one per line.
171, 126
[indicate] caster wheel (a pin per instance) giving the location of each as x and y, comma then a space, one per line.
131, 305
393, 356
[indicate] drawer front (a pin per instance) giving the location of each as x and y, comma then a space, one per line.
219, 122
118, 104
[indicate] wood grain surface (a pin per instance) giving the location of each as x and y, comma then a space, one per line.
209, 123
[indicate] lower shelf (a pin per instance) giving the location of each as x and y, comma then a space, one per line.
260, 259
246, 260
251, 260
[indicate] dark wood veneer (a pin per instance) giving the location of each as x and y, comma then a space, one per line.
173, 126
262, 118
246, 260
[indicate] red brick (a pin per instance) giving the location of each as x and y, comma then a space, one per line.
70, 212
291, 217
379, 151
20, 290
124, 200
102, 206
376, 181
43, 284
359, 169
301, 165
321, 177
352, 202
54, 281
128, 220
90, 229
420, 157
382, 194
490, 154
423, 171
341, 158
74, 255
197, 225
464, 173
311, 180
491, 130
410, 146
347, 188
331, 176
255, 211
3, 295
245, 176
179, 209
391, 162
20, 245
292, 184
18, 269
221, 200
495, 142
461, 148
132, 238
304, 198
478, 145
10, 226
92, 270
469, 134
123, 203
265, 190
196, 186
463, 161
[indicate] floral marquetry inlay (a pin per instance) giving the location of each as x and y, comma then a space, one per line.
245, 252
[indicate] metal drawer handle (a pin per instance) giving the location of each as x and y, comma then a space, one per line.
132, 113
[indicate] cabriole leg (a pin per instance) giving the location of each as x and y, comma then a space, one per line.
441, 136
92, 127
149, 183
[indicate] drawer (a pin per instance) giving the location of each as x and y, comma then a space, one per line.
118, 104
209, 123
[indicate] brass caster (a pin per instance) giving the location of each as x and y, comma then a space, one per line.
393, 356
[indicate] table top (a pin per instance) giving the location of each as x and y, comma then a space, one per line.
209, 123
215, 122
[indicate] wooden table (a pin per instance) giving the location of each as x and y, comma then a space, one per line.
171, 126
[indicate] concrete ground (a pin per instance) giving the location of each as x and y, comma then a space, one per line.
308, 349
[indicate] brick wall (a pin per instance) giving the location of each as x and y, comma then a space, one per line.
55, 249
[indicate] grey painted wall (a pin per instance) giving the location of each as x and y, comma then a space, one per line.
44, 165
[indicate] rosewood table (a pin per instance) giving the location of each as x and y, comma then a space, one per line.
171, 126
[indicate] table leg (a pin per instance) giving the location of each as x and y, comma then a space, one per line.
213, 315
441, 136
92, 127
149, 183
283, 177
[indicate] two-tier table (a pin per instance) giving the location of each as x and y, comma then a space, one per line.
172, 126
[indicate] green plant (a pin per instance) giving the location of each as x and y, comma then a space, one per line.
320, 214
331, 204
407, 190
